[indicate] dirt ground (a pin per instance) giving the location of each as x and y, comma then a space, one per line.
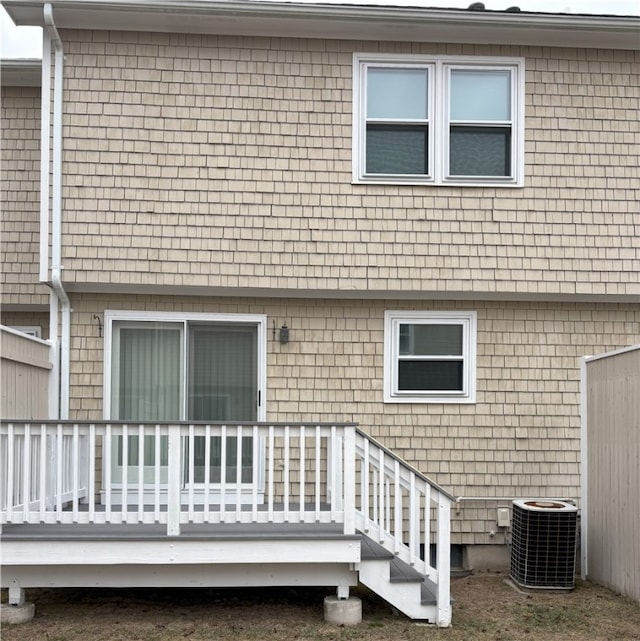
486, 608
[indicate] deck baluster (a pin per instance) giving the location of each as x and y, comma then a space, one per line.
156, 473
318, 448
190, 472
239, 474
174, 480
301, 464
286, 473
91, 473
42, 493
255, 481
141, 464
59, 472
26, 476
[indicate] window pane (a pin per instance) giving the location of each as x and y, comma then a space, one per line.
480, 151
146, 383
397, 150
397, 93
430, 340
222, 373
428, 376
480, 95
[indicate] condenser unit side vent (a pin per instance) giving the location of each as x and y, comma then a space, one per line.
543, 544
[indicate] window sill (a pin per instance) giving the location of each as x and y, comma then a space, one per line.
446, 400
431, 183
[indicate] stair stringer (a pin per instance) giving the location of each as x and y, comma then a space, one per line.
404, 596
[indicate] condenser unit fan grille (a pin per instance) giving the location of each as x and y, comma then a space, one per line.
543, 544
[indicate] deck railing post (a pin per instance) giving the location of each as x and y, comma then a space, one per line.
335, 466
443, 597
349, 480
174, 481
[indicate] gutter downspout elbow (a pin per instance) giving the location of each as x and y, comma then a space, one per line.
56, 212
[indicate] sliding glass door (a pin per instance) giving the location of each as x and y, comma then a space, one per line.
196, 369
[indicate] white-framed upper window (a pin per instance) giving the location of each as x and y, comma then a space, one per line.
455, 120
429, 357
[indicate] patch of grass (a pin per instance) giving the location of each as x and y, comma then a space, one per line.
551, 616
486, 609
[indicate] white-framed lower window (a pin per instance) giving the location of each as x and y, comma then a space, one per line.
29, 330
429, 357
455, 120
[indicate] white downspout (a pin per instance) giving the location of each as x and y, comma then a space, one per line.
56, 213
45, 132
45, 170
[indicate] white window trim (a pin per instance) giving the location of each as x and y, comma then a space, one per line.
439, 128
258, 320
393, 320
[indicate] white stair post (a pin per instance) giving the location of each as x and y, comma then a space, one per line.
443, 563
349, 481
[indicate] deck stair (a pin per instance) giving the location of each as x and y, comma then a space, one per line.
322, 504
397, 583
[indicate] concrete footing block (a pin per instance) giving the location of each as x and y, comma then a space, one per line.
14, 614
343, 611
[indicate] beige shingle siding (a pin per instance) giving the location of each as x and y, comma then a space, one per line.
20, 199
226, 161
521, 438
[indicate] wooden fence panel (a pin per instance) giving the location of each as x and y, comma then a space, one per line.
25, 373
612, 470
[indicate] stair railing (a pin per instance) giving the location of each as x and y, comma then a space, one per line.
406, 513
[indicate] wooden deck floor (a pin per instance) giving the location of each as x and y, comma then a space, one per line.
219, 531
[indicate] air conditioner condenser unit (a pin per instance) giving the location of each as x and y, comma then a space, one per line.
543, 544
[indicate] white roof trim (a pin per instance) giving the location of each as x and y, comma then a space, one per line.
344, 21
21, 72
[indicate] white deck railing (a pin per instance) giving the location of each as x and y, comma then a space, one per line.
112, 472
115, 472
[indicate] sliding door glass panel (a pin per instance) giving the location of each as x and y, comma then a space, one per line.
146, 385
222, 383
222, 386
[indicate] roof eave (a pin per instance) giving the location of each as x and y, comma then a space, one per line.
21, 72
353, 22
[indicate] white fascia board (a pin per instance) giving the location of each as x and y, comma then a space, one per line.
177, 551
171, 576
341, 294
337, 21
21, 72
